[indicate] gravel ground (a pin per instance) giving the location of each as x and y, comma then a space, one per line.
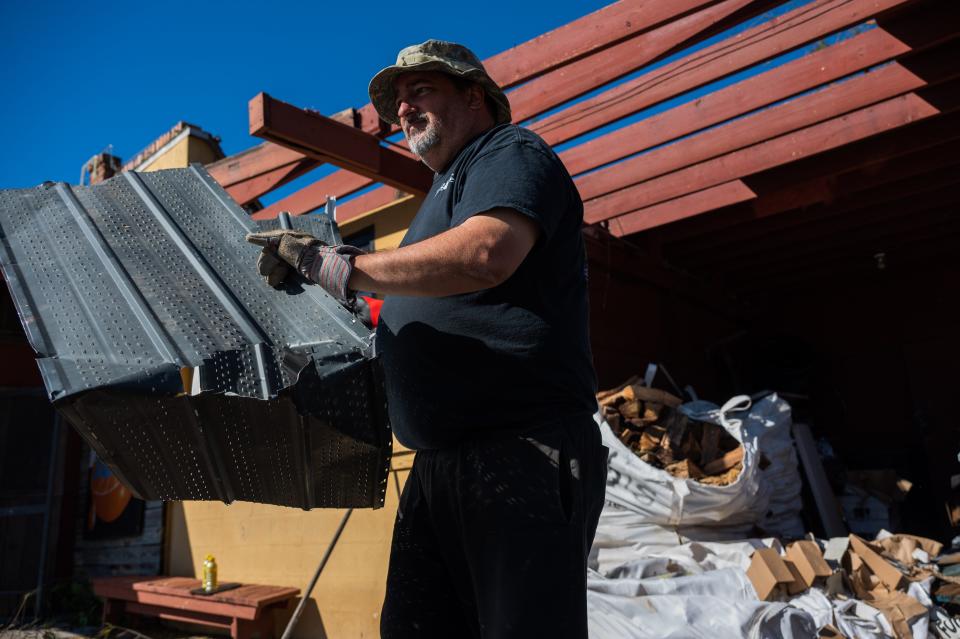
147, 630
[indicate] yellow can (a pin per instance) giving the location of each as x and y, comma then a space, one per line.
209, 574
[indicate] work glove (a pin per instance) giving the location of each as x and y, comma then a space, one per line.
328, 266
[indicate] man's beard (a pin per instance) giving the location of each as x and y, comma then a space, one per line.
424, 140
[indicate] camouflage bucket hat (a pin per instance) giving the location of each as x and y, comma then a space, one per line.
434, 55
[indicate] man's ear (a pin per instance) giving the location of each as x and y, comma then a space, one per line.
476, 97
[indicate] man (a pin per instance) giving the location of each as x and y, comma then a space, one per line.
483, 338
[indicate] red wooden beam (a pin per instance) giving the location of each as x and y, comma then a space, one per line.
367, 202
249, 190
767, 40
328, 140
251, 163
578, 77
309, 198
828, 102
812, 70
253, 172
814, 139
583, 36
851, 164
709, 199
608, 190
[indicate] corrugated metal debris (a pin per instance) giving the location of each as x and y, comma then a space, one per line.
187, 374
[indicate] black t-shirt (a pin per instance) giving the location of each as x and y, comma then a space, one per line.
505, 359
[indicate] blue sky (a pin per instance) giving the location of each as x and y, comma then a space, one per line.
79, 76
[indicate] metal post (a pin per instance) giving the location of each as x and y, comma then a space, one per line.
48, 506
313, 582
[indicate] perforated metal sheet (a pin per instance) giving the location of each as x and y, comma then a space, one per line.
183, 369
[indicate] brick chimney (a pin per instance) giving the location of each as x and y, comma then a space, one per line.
100, 167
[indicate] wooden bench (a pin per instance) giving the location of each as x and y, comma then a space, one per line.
244, 611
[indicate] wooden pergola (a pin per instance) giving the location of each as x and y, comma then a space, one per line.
810, 120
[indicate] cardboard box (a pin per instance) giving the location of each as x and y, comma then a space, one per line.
797, 585
904, 548
886, 572
769, 574
829, 632
900, 609
809, 562
835, 550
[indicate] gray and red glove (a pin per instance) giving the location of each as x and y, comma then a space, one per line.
328, 266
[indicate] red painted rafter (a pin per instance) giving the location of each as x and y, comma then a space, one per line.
709, 199
831, 101
793, 29
810, 71
811, 140
850, 165
328, 140
311, 197
576, 78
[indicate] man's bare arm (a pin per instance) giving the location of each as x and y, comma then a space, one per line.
481, 253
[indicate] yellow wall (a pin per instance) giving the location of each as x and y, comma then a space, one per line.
390, 222
256, 543
183, 153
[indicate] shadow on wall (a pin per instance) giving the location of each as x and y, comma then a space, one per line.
178, 556
309, 625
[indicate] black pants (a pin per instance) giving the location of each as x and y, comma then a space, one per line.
492, 536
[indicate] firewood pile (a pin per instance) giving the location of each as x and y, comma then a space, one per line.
647, 421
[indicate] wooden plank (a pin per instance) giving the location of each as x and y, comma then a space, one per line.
252, 162
829, 102
793, 29
811, 140
367, 202
254, 595
827, 505
328, 140
812, 70
575, 78
868, 155
313, 196
582, 37
192, 616
726, 194
249, 190
177, 602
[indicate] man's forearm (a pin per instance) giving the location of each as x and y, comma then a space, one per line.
480, 253
432, 268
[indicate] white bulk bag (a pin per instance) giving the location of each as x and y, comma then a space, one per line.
658, 497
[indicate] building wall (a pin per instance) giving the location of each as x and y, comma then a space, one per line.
257, 543
183, 153
390, 222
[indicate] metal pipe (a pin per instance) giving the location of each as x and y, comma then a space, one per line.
313, 582
48, 506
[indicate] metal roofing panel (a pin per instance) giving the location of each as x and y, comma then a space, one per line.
180, 366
